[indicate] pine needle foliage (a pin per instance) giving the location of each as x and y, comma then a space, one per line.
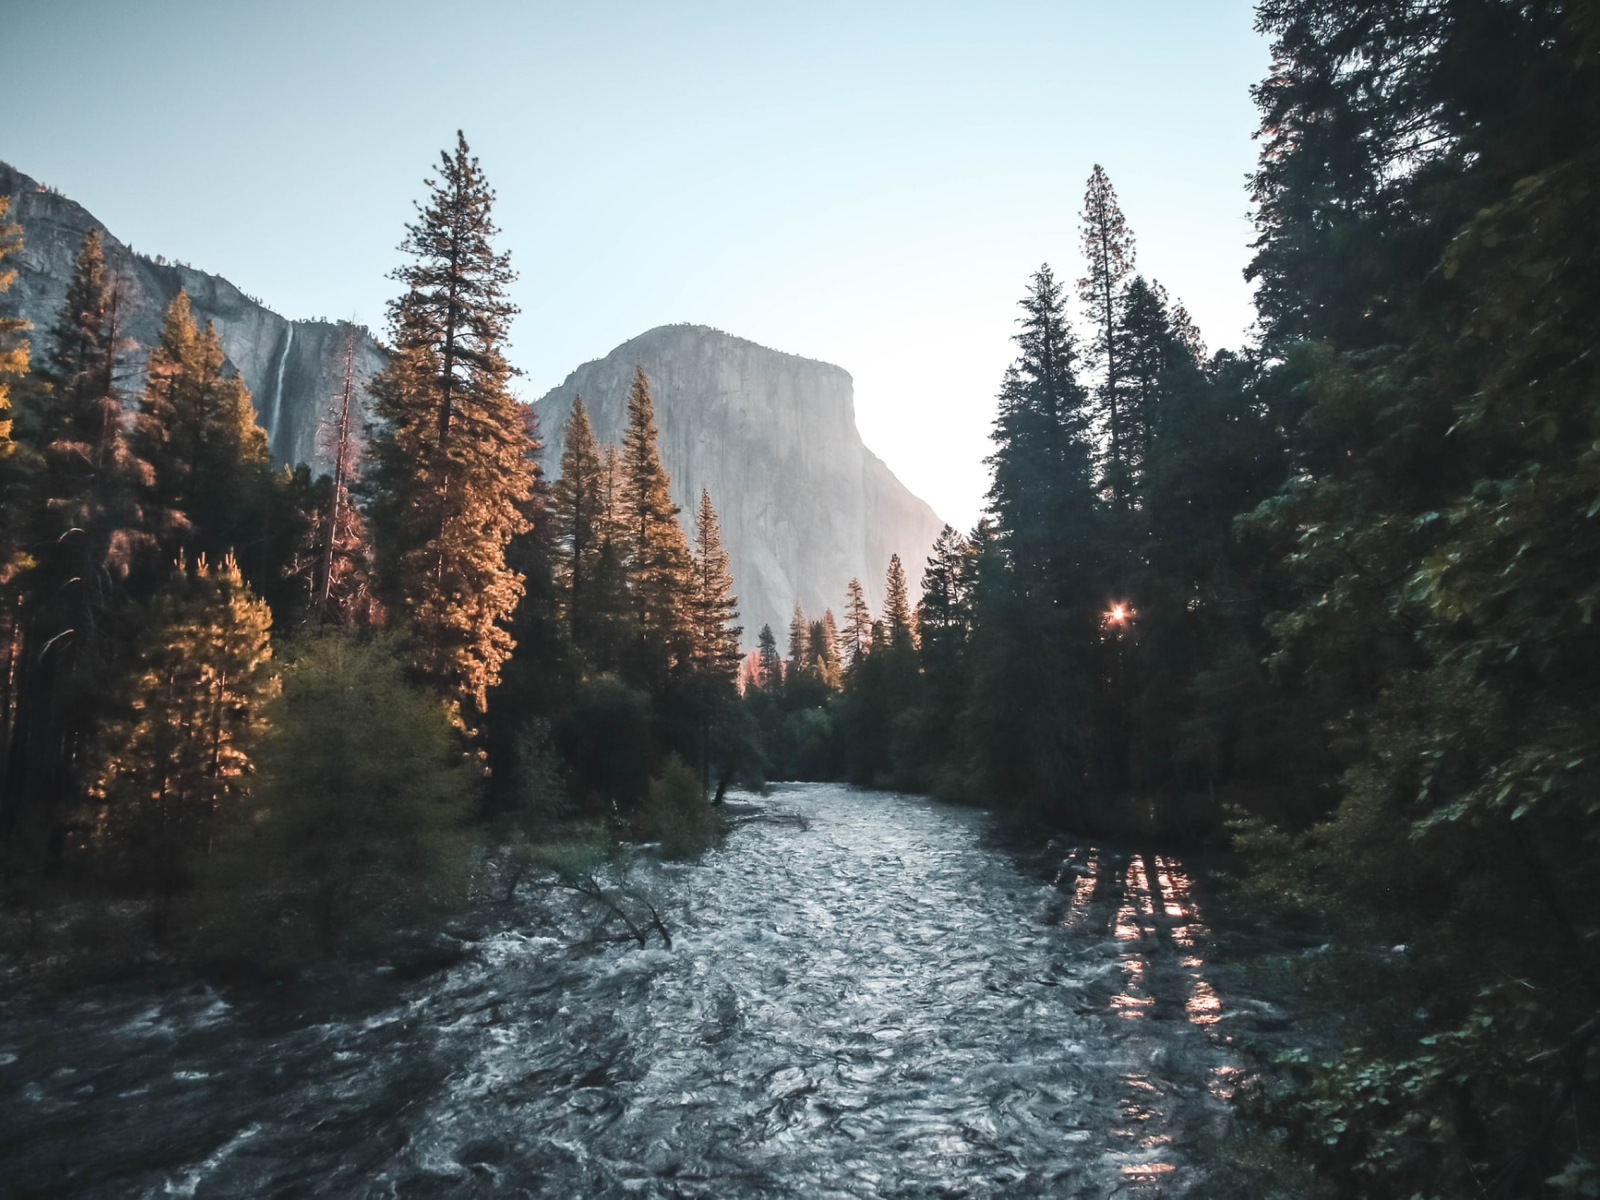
358, 817
185, 749
196, 428
656, 549
450, 462
13, 350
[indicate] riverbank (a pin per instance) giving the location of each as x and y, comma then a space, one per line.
867, 995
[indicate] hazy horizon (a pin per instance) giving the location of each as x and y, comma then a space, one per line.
868, 189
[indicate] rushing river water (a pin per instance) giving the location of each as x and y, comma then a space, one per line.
865, 997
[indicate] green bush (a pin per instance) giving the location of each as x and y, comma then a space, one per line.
678, 813
358, 821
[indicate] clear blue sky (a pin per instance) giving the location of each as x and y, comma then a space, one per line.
865, 183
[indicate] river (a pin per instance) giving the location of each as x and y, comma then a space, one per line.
867, 995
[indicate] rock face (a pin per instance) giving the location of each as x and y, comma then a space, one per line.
772, 436
293, 369
804, 505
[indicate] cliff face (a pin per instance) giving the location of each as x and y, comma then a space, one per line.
293, 369
804, 505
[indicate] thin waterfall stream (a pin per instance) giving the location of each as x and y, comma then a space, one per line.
866, 995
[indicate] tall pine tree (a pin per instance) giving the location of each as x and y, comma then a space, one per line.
197, 430
450, 454
1108, 253
657, 551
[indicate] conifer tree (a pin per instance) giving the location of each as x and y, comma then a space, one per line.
799, 646
203, 670
13, 350
1109, 253
579, 504
1036, 592
79, 511
13, 555
342, 586
826, 652
657, 551
714, 639
770, 663
855, 639
897, 620
197, 429
450, 468
713, 660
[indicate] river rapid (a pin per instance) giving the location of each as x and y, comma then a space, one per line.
867, 996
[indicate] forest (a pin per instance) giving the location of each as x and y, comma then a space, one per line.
1328, 601
1323, 604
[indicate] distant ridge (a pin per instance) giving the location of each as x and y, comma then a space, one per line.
805, 506
292, 368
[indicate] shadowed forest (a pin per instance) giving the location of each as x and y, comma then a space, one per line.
1323, 605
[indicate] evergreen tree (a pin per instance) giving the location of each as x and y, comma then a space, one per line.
578, 506
713, 662
657, 551
342, 585
78, 509
197, 429
799, 646
855, 639
714, 639
358, 813
203, 670
827, 651
1038, 590
13, 554
897, 619
1109, 253
770, 667
13, 350
450, 455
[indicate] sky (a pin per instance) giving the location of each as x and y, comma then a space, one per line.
866, 183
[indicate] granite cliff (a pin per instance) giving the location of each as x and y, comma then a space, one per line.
805, 506
292, 368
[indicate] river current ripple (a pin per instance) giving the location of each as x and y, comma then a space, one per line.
866, 996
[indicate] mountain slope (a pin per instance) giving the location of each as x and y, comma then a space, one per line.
805, 506
292, 368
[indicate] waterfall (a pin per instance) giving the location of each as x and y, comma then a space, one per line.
275, 409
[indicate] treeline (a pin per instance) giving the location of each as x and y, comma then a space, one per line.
293, 705
1089, 653
1337, 592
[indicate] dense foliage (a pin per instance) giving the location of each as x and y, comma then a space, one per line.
1336, 594
281, 713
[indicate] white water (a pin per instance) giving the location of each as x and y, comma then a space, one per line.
866, 998
275, 410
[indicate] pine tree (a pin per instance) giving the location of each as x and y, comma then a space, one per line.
897, 607
204, 668
80, 512
1109, 252
799, 646
13, 554
827, 651
855, 639
13, 350
657, 551
712, 607
713, 662
342, 586
770, 668
450, 464
1037, 588
197, 429
579, 505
